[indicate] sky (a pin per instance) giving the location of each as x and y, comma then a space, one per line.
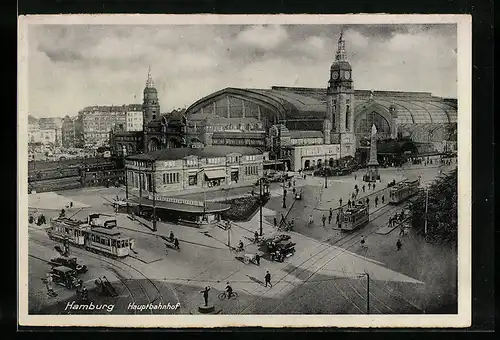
74, 66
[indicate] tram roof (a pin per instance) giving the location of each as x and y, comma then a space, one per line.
109, 232
210, 207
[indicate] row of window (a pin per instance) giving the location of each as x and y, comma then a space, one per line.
107, 242
194, 161
251, 170
318, 151
171, 178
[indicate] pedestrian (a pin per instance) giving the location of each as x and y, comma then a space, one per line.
362, 241
305, 176
376, 201
373, 186
289, 184
330, 219
323, 219
62, 213
353, 195
268, 279
282, 219
171, 236
71, 204
383, 199
253, 192
275, 222
349, 204
205, 295
257, 259
399, 244
402, 231
367, 202
311, 220
330, 213
50, 288
293, 182
363, 188
369, 186
293, 190
256, 237
340, 201
176, 243
355, 176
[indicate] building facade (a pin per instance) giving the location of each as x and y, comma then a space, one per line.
96, 123
176, 169
337, 114
33, 130
68, 132
134, 118
49, 126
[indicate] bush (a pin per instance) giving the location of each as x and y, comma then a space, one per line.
242, 208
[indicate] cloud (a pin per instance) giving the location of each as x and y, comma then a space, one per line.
264, 37
75, 66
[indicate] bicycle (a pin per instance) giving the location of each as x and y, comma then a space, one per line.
223, 295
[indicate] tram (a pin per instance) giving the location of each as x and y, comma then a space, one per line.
96, 234
354, 217
403, 190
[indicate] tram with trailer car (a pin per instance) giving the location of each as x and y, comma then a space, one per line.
109, 242
96, 234
354, 217
403, 190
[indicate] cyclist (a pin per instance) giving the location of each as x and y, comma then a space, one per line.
229, 290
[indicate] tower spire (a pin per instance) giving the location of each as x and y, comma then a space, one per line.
341, 52
149, 82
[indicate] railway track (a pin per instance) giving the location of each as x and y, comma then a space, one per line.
159, 295
343, 240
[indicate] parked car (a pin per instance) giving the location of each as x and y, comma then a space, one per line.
65, 277
70, 262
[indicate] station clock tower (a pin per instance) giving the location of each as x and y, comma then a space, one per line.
340, 102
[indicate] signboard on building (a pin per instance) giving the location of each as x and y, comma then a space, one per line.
175, 200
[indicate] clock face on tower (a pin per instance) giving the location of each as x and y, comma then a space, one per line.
335, 75
347, 75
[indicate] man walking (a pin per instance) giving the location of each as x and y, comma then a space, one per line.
268, 279
330, 215
340, 201
257, 259
355, 176
376, 201
399, 244
373, 186
311, 220
176, 244
364, 188
367, 202
274, 221
323, 219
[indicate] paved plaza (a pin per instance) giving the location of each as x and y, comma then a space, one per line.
327, 274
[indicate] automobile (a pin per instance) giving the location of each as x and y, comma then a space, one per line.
70, 262
298, 195
65, 277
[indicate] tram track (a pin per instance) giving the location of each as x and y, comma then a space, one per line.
349, 237
105, 260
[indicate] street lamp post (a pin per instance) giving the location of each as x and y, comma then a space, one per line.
260, 205
154, 195
284, 190
326, 177
367, 293
426, 209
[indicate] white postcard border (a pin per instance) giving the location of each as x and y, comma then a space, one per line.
464, 44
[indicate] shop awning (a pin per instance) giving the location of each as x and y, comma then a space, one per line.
214, 174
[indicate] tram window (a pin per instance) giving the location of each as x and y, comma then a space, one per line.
126, 243
107, 242
66, 230
113, 243
93, 238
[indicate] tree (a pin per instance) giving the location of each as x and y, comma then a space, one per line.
442, 215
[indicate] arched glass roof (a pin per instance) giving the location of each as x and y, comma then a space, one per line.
412, 107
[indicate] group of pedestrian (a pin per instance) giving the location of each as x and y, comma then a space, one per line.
174, 240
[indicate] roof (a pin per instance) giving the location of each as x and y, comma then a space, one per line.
110, 232
396, 147
412, 107
210, 207
180, 153
305, 134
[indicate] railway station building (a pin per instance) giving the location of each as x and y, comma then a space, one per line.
174, 170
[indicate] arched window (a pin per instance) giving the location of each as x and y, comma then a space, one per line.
347, 117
